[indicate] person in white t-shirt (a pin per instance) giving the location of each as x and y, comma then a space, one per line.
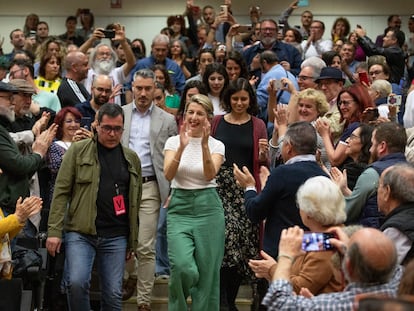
195, 221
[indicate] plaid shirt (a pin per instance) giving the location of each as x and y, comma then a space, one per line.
280, 295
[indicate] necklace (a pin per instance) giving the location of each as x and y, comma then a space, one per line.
230, 118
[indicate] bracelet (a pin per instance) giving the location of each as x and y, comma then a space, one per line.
292, 259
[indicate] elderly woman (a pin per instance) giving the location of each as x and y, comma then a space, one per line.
311, 105
321, 205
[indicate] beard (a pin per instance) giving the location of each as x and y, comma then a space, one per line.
104, 66
268, 41
9, 114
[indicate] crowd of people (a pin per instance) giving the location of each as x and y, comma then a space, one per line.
204, 160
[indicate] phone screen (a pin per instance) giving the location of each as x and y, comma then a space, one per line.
317, 241
302, 3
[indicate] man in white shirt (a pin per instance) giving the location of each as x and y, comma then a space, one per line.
315, 45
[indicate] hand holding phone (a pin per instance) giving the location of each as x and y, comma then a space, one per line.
363, 78
109, 33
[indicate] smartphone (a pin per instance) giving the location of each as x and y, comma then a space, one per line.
394, 100
86, 123
32, 34
108, 33
224, 9
363, 78
317, 241
245, 28
302, 3
277, 84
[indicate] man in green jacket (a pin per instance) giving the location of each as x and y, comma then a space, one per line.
95, 203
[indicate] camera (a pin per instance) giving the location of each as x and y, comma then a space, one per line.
108, 33
317, 241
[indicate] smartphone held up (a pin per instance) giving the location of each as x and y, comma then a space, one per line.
317, 241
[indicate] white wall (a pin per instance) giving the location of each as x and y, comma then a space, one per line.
144, 19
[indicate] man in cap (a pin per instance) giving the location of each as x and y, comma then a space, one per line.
17, 168
331, 82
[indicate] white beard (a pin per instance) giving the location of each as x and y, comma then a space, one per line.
104, 67
9, 114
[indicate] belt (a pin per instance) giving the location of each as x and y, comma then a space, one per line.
148, 178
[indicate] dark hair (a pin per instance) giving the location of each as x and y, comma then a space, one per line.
167, 85
60, 117
143, 51
302, 136
320, 22
71, 18
43, 62
177, 18
220, 69
13, 31
365, 271
190, 85
28, 53
241, 84
23, 63
111, 111
296, 33
269, 56
345, 21
365, 135
399, 35
393, 134
329, 56
91, 16
168, 30
360, 95
238, 58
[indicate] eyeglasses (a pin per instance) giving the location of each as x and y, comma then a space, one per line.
304, 78
346, 103
101, 89
69, 121
371, 73
108, 129
268, 29
353, 136
9, 97
12, 73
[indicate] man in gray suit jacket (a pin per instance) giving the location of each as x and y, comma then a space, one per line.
147, 128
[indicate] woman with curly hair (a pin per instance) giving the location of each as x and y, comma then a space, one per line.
50, 73
340, 29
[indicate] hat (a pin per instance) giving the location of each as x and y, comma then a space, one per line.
330, 73
7, 87
4, 62
23, 86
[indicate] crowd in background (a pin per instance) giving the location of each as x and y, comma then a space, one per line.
253, 104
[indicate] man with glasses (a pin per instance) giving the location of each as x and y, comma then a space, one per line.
96, 200
101, 92
288, 55
331, 82
147, 128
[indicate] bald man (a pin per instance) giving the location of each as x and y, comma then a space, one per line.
101, 90
395, 200
71, 91
369, 264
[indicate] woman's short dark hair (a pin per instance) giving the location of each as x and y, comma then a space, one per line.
241, 84
238, 58
220, 69
190, 85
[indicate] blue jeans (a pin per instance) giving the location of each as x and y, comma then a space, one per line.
162, 263
81, 250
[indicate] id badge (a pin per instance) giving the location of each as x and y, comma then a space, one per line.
119, 205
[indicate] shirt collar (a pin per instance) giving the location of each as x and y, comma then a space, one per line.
301, 158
